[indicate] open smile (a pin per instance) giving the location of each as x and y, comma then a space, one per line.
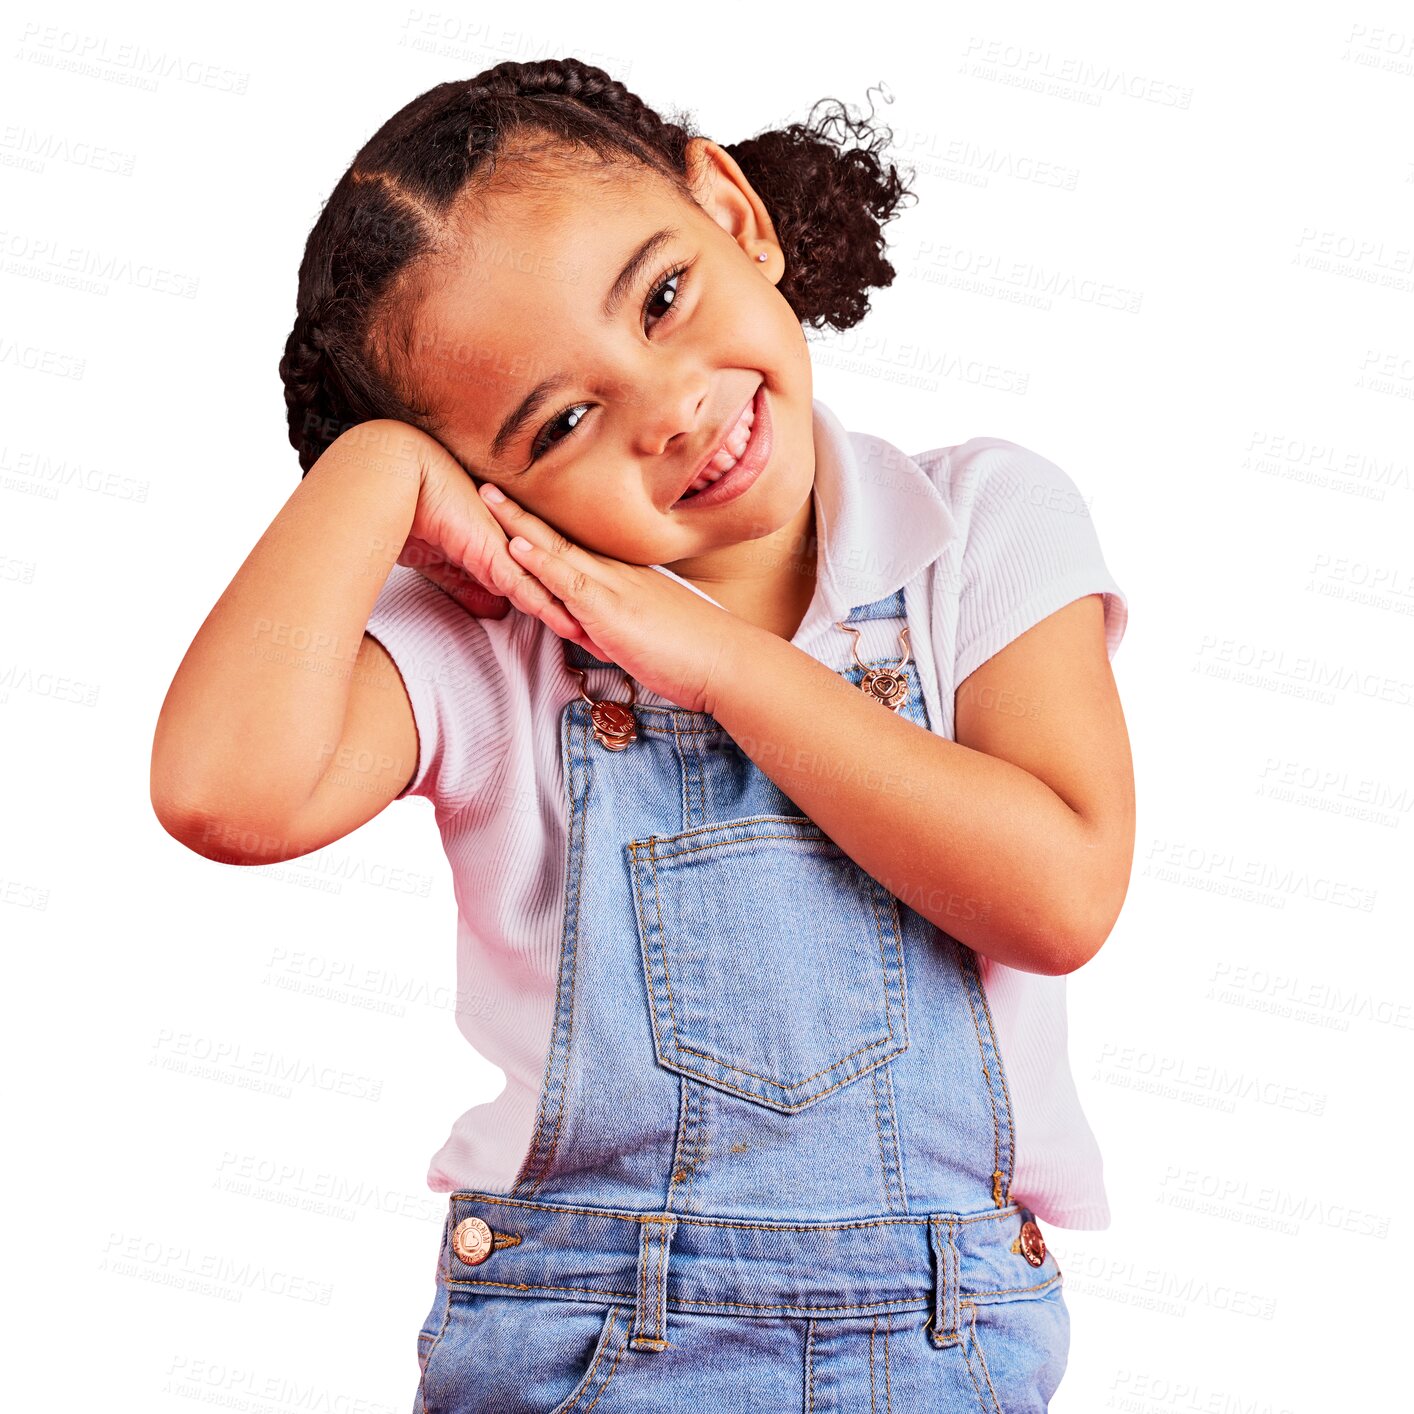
738, 478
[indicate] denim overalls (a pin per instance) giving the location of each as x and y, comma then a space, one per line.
771, 1161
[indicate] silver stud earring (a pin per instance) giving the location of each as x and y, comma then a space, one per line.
761, 255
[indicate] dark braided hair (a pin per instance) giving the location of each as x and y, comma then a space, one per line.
350, 356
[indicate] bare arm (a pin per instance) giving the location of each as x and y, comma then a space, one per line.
287, 726
257, 712
1017, 838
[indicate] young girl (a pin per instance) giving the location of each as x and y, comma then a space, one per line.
777, 810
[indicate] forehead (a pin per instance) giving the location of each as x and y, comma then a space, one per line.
518, 295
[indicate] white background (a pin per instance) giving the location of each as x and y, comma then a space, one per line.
1241, 177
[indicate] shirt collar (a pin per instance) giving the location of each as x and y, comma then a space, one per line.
880, 520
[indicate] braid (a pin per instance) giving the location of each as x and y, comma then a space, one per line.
310, 382
350, 355
576, 82
565, 78
576, 103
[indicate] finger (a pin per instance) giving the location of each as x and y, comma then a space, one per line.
598, 652
531, 596
516, 520
570, 586
562, 567
529, 586
521, 588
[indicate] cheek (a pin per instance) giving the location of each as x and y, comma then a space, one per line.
625, 527
745, 318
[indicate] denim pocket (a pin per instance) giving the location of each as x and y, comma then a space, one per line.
436, 1318
603, 1362
523, 1355
434, 1328
774, 963
1019, 1348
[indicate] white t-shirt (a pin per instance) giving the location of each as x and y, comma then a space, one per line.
987, 539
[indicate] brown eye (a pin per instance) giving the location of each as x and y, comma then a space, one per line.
669, 290
543, 442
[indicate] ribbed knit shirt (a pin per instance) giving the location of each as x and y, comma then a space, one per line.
986, 538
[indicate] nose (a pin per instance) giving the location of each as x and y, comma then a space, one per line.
666, 420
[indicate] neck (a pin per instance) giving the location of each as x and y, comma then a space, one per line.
768, 582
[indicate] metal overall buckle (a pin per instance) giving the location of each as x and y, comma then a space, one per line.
615, 728
886, 685
613, 722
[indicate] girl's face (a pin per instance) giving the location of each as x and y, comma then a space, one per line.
636, 398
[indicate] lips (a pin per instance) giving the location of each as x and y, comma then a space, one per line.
719, 446
725, 484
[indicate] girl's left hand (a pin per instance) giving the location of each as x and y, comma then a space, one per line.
667, 638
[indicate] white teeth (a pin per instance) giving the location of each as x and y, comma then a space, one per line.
730, 452
706, 479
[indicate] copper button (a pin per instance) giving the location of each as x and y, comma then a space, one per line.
1033, 1245
471, 1240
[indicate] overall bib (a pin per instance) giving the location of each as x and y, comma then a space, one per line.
771, 1161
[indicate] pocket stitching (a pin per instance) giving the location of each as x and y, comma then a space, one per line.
803, 829
570, 1403
976, 1345
640, 849
432, 1350
650, 847
741, 1070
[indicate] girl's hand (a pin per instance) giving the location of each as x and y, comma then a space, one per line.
666, 637
456, 543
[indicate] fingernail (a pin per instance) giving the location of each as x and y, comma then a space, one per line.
492, 493
519, 542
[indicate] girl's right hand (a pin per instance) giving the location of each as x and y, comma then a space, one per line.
455, 542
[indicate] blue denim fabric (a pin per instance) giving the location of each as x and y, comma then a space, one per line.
771, 1164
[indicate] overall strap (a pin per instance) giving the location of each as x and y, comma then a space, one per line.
891, 606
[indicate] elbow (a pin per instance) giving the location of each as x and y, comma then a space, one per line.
1062, 951
176, 804
1049, 949
177, 811
1084, 938
1104, 871
199, 830
217, 822
174, 818
1077, 950
214, 835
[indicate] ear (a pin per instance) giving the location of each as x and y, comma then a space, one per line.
723, 192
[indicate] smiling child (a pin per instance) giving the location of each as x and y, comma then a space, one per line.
782, 774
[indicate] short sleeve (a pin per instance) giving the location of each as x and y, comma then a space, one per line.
1031, 548
454, 681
